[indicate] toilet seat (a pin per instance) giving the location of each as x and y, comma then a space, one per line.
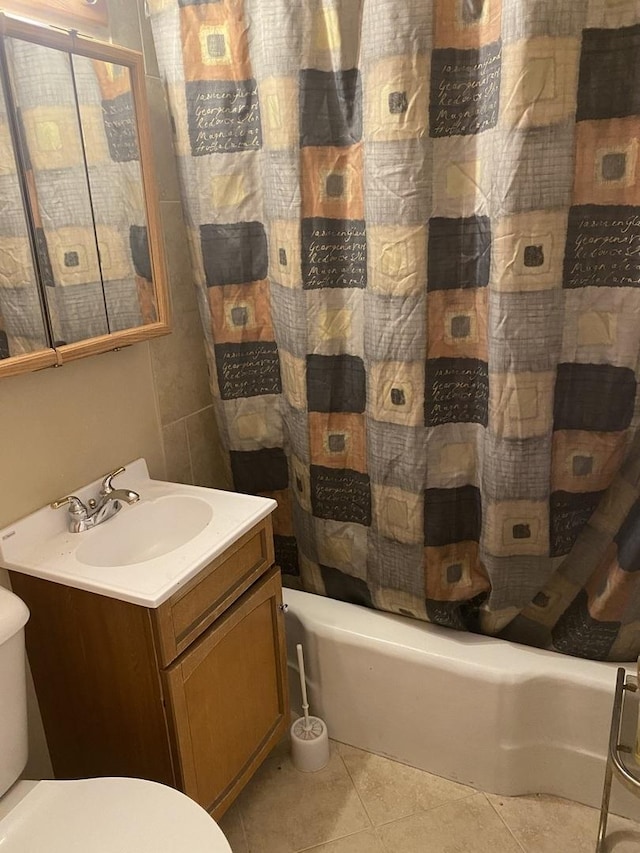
109, 816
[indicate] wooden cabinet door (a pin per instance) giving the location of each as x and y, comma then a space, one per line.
227, 697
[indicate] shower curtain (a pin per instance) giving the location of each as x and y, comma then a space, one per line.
415, 228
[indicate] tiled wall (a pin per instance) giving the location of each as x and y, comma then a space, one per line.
189, 432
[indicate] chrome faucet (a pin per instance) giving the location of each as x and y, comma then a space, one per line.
109, 502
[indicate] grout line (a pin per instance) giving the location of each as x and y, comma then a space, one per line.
337, 838
355, 788
275, 782
237, 805
422, 811
333, 840
188, 415
156, 405
383, 846
180, 422
374, 825
186, 434
349, 834
174, 422
244, 830
419, 809
511, 832
429, 809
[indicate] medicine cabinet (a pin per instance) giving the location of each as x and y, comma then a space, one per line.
81, 258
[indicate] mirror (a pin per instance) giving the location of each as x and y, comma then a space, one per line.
77, 134
22, 324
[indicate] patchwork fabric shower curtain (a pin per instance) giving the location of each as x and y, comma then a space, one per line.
416, 237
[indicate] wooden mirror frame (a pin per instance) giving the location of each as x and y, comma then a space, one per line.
73, 43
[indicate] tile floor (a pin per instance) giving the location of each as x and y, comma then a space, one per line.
362, 803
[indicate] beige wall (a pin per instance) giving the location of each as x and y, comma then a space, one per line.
61, 428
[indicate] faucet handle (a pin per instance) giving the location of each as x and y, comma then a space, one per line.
76, 507
106, 486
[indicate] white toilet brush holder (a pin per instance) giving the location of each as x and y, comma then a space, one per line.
309, 736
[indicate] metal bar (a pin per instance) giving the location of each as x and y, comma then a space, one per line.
608, 774
614, 763
625, 776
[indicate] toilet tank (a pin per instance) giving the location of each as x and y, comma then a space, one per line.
13, 689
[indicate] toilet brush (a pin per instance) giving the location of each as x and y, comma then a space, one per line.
309, 736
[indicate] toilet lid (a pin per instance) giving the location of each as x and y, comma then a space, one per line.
109, 816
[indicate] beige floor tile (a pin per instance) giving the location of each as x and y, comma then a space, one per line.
464, 826
390, 790
284, 811
544, 824
362, 842
231, 825
279, 768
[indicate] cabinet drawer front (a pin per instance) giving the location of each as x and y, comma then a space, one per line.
228, 699
183, 618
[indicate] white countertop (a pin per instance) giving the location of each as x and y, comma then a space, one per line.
41, 545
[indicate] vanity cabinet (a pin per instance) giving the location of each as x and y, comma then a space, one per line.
192, 693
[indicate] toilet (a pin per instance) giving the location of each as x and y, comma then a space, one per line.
98, 815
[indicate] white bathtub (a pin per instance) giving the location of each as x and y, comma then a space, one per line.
496, 715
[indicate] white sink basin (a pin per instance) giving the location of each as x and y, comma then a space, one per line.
145, 552
150, 531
